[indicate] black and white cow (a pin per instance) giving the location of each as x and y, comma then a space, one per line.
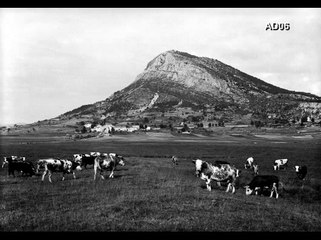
13, 159
219, 163
21, 166
85, 159
58, 165
218, 173
175, 160
301, 171
107, 163
263, 182
280, 163
249, 163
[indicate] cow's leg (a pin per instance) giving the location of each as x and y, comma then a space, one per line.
208, 184
63, 176
111, 174
233, 187
219, 184
43, 175
101, 174
74, 175
49, 176
274, 189
228, 187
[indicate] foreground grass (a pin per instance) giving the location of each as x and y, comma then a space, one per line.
149, 194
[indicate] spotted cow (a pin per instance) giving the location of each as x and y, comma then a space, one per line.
107, 163
218, 173
261, 183
85, 159
280, 163
58, 165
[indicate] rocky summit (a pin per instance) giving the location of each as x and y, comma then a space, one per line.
177, 87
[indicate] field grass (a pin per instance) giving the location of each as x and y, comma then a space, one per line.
149, 194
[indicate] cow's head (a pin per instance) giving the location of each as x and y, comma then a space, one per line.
198, 166
297, 168
248, 190
120, 160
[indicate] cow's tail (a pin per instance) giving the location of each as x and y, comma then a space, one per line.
282, 185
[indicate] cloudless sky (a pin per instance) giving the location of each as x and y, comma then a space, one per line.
55, 60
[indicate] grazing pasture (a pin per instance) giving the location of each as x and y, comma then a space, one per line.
149, 193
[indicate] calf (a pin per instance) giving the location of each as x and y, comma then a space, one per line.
218, 173
249, 163
261, 182
108, 163
58, 165
20, 166
280, 163
301, 171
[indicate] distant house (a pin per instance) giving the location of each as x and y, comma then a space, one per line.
210, 123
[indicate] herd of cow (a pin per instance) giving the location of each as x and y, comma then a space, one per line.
101, 162
220, 171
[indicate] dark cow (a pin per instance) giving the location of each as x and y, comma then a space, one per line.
12, 158
108, 163
175, 160
85, 159
263, 182
20, 166
58, 165
301, 171
219, 173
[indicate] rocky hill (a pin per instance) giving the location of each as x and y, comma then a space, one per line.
176, 86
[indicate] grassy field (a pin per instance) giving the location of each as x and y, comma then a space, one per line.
149, 194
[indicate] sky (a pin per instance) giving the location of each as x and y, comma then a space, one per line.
53, 60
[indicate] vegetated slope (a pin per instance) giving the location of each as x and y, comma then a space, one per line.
183, 80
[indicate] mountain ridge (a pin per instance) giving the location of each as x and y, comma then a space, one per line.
183, 80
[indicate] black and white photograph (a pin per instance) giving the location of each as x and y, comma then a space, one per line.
160, 119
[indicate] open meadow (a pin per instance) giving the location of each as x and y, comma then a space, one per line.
150, 194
